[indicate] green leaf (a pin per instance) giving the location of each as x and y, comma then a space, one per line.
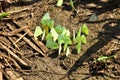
48, 23
102, 58
38, 32
51, 44
4, 14
60, 2
59, 29
78, 46
77, 39
67, 41
45, 17
66, 32
72, 4
83, 39
60, 39
85, 29
48, 36
54, 34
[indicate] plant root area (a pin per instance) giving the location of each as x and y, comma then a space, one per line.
24, 58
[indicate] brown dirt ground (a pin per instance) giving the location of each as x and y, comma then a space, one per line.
104, 39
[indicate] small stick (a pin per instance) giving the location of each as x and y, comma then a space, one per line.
27, 41
1, 74
21, 37
14, 55
14, 32
38, 43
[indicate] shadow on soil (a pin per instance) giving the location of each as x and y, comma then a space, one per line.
104, 37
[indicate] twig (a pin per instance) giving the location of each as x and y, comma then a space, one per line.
38, 43
20, 38
14, 32
1, 74
27, 41
14, 55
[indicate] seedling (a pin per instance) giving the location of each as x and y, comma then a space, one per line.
81, 38
58, 37
4, 14
60, 2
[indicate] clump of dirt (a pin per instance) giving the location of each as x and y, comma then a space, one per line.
103, 40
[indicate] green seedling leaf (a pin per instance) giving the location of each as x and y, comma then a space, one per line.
77, 39
51, 44
93, 17
67, 41
38, 32
54, 34
4, 14
45, 17
66, 32
47, 24
59, 29
102, 58
48, 36
60, 2
72, 4
78, 46
68, 51
83, 39
85, 29
60, 39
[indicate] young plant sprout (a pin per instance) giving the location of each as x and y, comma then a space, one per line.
58, 37
60, 2
4, 14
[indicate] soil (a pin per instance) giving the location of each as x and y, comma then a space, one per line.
103, 40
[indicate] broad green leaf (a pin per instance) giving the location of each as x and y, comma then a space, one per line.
48, 36
78, 46
83, 39
93, 17
59, 2
59, 29
51, 44
45, 17
48, 23
77, 39
54, 34
67, 51
60, 39
38, 32
4, 14
67, 33
64, 32
85, 29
